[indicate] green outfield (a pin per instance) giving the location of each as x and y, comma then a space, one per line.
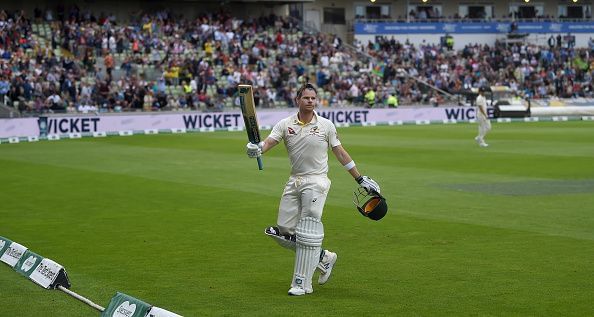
178, 220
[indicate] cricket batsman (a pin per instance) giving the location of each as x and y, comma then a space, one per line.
484, 125
307, 137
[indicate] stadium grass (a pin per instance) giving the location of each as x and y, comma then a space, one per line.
178, 220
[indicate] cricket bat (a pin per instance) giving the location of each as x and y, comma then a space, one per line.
248, 109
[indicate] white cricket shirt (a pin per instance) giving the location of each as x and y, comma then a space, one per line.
307, 144
481, 102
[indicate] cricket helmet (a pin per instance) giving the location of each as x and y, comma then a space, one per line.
371, 205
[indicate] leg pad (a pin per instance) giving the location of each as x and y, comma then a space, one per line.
309, 237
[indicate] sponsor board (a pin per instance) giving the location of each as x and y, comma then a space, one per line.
28, 262
49, 274
13, 253
127, 124
72, 125
122, 305
4, 244
214, 120
348, 116
560, 118
362, 28
160, 312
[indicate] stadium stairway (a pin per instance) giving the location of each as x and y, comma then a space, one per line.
8, 112
42, 35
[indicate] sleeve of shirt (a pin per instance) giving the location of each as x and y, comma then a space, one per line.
333, 136
277, 132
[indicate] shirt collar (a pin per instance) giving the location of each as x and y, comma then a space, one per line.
296, 120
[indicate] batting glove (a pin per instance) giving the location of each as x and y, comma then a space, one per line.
254, 150
368, 184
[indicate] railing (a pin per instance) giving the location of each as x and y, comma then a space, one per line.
467, 20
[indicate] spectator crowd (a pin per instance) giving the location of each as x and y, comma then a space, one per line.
68, 59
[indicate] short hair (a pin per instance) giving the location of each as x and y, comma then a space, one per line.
304, 87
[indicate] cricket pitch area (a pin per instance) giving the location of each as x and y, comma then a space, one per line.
178, 220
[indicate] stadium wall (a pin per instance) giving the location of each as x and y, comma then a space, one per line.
204, 121
476, 32
461, 40
91, 123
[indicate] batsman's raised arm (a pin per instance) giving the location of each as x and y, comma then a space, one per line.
268, 144
256, 150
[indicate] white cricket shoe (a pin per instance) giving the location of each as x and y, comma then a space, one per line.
484, 144
478, 140
298, 291
325, 266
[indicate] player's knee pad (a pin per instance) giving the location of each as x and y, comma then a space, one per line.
309, 232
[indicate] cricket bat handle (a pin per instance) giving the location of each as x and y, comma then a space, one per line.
260, 166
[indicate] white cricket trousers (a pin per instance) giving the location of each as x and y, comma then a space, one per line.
304, 196
484, 125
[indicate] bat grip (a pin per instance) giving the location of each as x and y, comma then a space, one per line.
260, 166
